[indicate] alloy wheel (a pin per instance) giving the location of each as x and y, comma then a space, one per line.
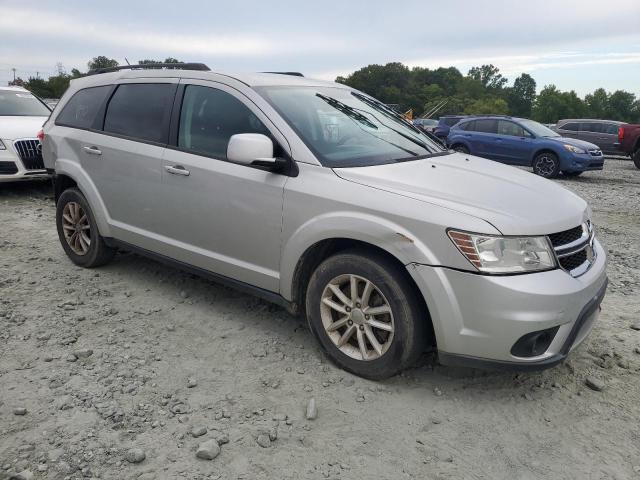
546, 165
76, 228
357, 317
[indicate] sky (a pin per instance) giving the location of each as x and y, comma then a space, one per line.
576, 45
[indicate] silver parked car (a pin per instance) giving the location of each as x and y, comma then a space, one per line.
321, 198
603, 133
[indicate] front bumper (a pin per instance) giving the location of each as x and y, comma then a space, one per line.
12, 168
478, 318
577, 162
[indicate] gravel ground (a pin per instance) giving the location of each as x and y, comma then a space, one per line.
137, 370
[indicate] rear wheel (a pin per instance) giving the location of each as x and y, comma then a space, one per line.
366, 314
461, 149
546, 164
636, 158
78, 231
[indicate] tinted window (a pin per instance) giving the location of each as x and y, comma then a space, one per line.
450, 122
209, 118
509, 128
611, 129
570, 127
140, 111
594, 127
486, 126
80, 111
470, 126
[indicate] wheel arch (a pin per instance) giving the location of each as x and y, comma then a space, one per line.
544, 150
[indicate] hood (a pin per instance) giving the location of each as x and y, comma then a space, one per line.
575, 142
12, 128
514, 201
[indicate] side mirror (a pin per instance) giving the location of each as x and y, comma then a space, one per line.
251, 149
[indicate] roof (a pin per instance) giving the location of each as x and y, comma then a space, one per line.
250, 79
14, 89
565, 120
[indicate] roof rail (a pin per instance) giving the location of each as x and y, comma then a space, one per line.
152, 66
294, 74
489, 115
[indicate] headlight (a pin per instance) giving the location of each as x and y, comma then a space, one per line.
493, 254
2, 147
573, 149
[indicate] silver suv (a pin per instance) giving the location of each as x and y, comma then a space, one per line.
322, 199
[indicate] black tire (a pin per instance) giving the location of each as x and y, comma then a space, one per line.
572, 174
460, 149
636, 158
411, 331
98, 252
546, 164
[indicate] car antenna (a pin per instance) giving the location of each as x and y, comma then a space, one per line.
125, 59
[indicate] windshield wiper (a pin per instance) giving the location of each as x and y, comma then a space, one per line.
347, 110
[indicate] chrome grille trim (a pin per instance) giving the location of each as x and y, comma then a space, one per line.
30, 152
583, 245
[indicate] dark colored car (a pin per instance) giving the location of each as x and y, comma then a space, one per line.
629, 141
445, 123
425, 124
519, 141
603, 133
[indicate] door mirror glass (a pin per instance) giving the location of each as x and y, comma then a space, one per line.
250, 149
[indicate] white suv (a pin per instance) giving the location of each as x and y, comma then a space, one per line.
21, 117
321, 198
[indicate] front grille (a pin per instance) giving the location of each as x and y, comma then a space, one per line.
595, 153
8, 168
574, 248
572, 262
568, 236
30, 152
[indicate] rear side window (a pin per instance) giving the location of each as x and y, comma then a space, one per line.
570, 127
509, 128
80, 111
594, 127
611, 129
486, 126
141, 111
209, 118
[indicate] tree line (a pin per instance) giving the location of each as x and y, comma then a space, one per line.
483, 90
56, 85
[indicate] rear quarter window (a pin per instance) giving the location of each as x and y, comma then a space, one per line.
80, 111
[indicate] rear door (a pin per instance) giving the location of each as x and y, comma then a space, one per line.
221, 216
609, 137
483, 137
512, 144
569, 130
124, 161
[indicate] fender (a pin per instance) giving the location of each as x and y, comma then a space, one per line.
74, 171
384, 234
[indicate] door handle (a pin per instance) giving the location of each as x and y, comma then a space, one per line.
176, 170
92, 150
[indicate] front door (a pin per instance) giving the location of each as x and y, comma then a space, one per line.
513, 144
222, 216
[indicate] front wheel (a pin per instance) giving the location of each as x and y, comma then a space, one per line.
461, 149
547, 165
366, 315
636, 158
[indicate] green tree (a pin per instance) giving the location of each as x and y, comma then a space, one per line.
489, 76
622, 106
522, 95
151, 62
597, 103
39, 87
102, 62
488, 105
552, 105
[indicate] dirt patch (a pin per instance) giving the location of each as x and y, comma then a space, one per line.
137, 370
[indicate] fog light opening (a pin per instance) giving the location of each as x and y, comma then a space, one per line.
534, 343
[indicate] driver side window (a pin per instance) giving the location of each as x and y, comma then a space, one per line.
208, 119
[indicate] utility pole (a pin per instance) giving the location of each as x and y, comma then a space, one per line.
14, 74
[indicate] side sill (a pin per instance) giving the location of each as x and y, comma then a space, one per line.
267, 295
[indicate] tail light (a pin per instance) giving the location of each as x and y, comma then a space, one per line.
40, 135
620, 133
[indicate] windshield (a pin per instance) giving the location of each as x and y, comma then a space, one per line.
349, 129
17, 103
538, 129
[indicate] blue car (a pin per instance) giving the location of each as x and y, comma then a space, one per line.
518, 141
444, 125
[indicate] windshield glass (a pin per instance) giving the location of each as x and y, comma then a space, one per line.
17, 103
538, 129
349, 129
